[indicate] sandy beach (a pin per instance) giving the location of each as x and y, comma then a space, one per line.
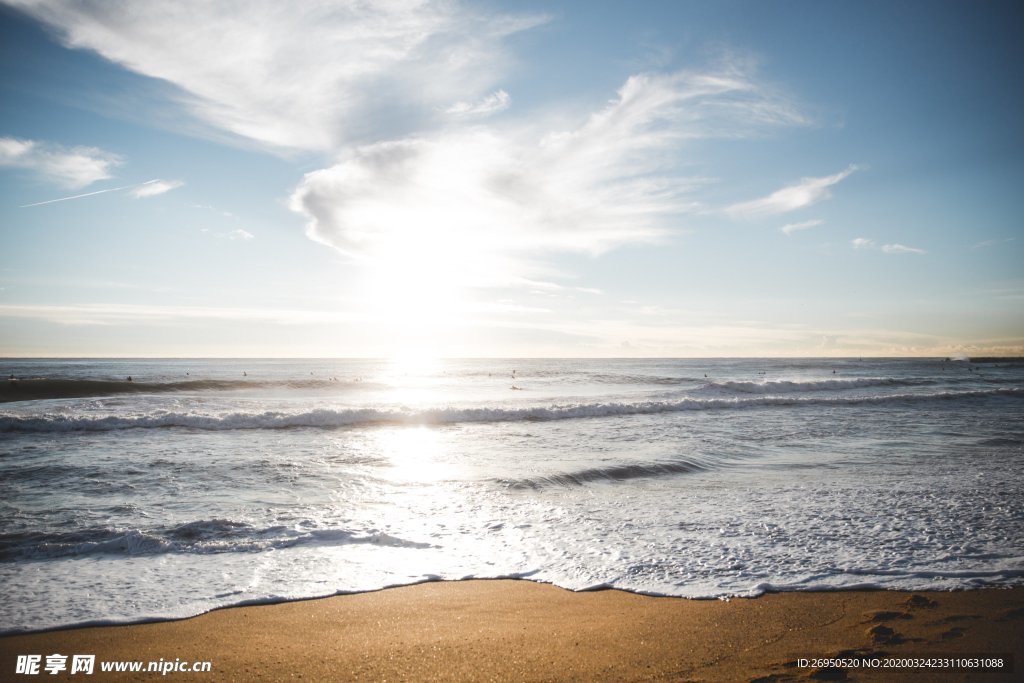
519, 630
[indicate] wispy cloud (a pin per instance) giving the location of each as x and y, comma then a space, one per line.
790, 228
804, 193
117, 314
901, 249
72, 167
309, 75
475, 203
991, 243
153, 188
138, 190
895, 248
493, 103
238, 234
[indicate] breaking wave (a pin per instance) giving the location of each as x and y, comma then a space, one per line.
608, 474
790, 387
332, 419
32, 389
201, 536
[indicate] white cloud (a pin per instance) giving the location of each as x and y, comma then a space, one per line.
863, 243
13, 149
790, 228
493, 103
153, 188
307, 75
478, 204
901, 249
804, 193
240, 234
72, 167
119, 314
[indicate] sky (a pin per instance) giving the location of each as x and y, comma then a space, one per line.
488, 179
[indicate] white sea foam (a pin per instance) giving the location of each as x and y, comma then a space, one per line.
790, 386
328, 418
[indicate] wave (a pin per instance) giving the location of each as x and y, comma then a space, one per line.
611, 473
201, 537
788, 387
332, 419
606, 378
42, 388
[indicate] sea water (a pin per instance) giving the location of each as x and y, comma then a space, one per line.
205, 483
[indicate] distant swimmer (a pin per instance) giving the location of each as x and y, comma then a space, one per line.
515, 388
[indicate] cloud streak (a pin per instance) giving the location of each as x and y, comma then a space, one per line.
133, 314
153, 188
790, 228
895, 248
311, 75
901, 249
139, 191
72, 167
801, 194
493, 103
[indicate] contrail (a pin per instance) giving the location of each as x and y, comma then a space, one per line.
89, 194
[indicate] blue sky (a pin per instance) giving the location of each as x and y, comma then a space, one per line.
520, 179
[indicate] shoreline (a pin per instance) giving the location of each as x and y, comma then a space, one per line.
509, 629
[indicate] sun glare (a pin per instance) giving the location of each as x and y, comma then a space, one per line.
414, 452
414, 291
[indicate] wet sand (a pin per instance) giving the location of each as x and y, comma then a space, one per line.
523, 631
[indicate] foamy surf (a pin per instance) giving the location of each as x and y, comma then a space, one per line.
211, 483
333, 419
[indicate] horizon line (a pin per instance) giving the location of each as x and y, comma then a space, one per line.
950, 357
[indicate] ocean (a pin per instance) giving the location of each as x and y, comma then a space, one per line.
200, 484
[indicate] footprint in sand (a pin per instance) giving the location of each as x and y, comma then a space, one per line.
1013, 614
885, 615
953, 618
920, 602
884, 634
955, 632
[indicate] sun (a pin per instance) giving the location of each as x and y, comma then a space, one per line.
412, 294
